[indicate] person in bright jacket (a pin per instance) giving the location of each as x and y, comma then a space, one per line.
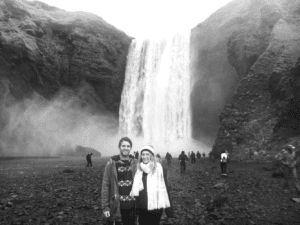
224, 161
117, 205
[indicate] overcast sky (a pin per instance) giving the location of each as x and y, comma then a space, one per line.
146, 19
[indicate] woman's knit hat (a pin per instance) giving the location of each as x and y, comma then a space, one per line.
148, 148
290, 146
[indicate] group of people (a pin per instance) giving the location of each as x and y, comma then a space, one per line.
135, 189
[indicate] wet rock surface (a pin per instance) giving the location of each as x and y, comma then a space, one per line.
261, 114
45, 49
39, 191
245, 60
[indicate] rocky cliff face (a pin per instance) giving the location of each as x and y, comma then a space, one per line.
44, 49
260, 39
244, 57
57, 70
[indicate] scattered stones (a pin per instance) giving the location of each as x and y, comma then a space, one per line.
277, 174
68, 171
220, 185
201, 222
56, 198
296, 200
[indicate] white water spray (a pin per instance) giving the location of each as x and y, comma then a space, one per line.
155, 102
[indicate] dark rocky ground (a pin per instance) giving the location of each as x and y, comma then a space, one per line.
63, 191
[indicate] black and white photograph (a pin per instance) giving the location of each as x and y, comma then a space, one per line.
139, 112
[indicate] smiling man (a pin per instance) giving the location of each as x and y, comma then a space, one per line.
117, 205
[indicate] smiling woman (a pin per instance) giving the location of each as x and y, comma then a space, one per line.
150, 187
146, 19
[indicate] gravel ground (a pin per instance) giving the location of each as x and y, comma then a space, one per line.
63, 191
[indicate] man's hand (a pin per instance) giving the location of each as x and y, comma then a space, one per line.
106, 214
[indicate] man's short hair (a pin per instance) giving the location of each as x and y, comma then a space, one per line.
125, 139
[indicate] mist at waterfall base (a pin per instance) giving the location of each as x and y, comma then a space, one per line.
155, 102
38, 127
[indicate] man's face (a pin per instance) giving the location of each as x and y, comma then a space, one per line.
125, 148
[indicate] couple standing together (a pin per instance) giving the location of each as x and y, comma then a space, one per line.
134, 188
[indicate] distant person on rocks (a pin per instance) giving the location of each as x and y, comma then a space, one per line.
203, 155
158, 158
168, 158
136, 155
198, 155
193, 158
210, 154
182, 159
117, 205
89, 160
223, 163
290, 158
228, 156
150, 187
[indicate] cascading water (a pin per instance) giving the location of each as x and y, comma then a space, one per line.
155, 102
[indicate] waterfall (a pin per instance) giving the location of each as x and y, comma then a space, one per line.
155, 102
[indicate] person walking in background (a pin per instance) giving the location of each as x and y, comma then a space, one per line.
223, 162
193, 158
228, 156
210, 154
290, 159
182, 159
168, 158
136, 155
151, 189
117, 205
198, 155
158, 158
89, 160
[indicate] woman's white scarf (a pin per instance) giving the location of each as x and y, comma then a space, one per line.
156, 188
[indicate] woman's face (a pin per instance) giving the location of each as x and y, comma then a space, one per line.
146, 157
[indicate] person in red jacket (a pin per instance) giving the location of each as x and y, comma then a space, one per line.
117, 205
